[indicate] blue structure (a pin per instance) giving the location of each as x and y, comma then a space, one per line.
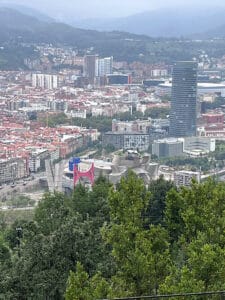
73, 161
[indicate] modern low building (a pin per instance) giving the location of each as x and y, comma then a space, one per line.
202, 88
213, 118
215, 131
199, 145
118, 79
169, 147
184, 178
152, 82
79, 113
137, 141
141, 126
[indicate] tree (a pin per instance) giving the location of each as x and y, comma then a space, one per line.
81, 287
93, 203
197, 209
202, 269
65, 230
157, 112
51, 212
141, 255
78, 286
181, 281
5, 265
156, 206
55, 119
195, 221
173, 218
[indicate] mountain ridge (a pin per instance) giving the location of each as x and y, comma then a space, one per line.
18, 30
26, 10
167, 22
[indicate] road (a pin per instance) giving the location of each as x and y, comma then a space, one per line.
6, 208
8, 192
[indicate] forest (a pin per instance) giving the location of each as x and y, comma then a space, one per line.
110, 242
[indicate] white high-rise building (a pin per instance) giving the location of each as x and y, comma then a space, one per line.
45, 81
103, 66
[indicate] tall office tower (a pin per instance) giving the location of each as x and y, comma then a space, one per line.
184, 99
104, 66
89, 67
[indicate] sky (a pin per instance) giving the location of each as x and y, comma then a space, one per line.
82, 9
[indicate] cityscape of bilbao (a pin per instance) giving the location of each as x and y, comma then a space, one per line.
112, 150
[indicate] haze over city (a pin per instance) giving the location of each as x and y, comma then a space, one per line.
110, 8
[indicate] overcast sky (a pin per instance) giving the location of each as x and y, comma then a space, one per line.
105, 8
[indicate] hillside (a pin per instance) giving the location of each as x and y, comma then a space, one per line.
26, 11
18, 27
18, 31
166, 22
218, 32
12, 20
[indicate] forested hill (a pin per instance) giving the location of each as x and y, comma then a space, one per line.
109, 243
17, 29
174, 21
19, 33
21, 28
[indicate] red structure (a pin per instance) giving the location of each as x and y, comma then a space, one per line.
78, 174
216, 118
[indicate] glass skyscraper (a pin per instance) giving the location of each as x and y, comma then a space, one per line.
184, 99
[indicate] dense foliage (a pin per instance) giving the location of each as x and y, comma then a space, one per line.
117, 241
12, 55
64, 230
104, 123
203, 163
52, 120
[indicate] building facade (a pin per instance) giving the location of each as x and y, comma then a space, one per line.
119, 79
45, 81
167, 148
184, 178
199, 145
90, 66
104, 66
134, 141
184, 99
142, 126
13, 169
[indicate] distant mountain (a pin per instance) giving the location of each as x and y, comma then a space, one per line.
21, 28
27, 11
12, 20
218, 32
19, 31
15, 24
167, 22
